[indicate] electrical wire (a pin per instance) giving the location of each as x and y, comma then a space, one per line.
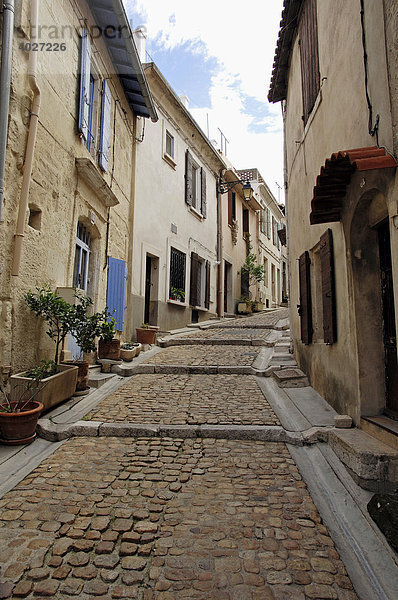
373, 129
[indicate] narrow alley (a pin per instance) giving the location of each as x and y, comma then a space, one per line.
198, 471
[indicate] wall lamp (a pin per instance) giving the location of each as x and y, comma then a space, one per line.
225, 186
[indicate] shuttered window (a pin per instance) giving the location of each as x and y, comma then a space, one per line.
196, 281
305, 307
177, 275
231, 207
328, 288
188, 178
245, 221
207, 289
105, 132
116, 290
195, 185
85, 87
203, 198
310, 78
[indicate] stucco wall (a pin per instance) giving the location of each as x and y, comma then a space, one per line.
339, 121
160, 205
62, 196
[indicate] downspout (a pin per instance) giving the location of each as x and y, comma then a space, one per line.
219, 252
286, 186
5, 85
30, 145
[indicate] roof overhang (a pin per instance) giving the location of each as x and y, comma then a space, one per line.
280, 70
331, 184
111, 17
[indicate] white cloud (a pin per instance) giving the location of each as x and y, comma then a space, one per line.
242, 37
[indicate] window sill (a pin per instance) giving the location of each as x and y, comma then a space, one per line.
196, 213
202, 308
170, 161
177, 303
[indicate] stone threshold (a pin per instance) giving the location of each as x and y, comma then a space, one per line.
54, 432
383, 428
187, 370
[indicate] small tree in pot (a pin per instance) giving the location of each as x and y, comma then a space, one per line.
108, 345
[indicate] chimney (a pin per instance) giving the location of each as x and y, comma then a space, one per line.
140, 35
185, 100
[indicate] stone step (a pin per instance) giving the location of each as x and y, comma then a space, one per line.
372, 464
96, 380
382, 428
290, 377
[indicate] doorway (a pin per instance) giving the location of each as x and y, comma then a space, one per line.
151, 290
388, 311
227, 287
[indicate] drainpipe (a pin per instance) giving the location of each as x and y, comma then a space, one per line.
30, 145
5, 84
289, 258
219, 251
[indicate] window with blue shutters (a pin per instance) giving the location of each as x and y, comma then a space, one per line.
88, 101
105, 132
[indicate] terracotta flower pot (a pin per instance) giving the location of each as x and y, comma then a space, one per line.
109, 350
51, 391
145, 336
20, 427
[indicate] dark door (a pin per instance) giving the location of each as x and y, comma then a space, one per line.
389, 331
148, 286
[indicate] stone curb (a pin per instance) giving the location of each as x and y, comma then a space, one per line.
55, 432
190, 370
214, 342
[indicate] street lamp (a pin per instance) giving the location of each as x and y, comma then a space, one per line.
225, 186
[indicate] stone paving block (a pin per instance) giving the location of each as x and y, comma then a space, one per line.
127, 430
343, 421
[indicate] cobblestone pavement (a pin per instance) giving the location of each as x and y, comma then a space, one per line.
215, 333
206, 356
187, 400
162, 519
259, 320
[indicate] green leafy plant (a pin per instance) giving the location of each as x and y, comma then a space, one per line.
26, 391
177, 294
129, 345
107, 325
252, 270
58, 314
42, 371
85, 328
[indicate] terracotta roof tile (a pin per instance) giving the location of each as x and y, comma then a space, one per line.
335, 176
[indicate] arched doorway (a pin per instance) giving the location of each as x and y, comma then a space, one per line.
373, 298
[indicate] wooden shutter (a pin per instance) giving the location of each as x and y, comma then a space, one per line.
84, 100
229, 207
188, 178
116, 290
207, 292
310, 79
195, 280
305, 306
203, 192
105, 133
328, 288
245, 218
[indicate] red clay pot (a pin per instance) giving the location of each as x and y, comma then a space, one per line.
109, 350
145, 336
82, 373
20, 427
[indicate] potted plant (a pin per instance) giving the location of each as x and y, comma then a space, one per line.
258, 306
20, 412
108, 345
245, 305
146, 333
252, 273
177, 294
129, 350
85, 329
60, 384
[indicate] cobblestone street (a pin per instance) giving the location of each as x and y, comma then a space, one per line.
169, 518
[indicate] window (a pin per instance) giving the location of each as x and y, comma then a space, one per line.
177, 275
195, 186
82, 255
34, 217
169, 144
89, 109
200, 281
245, 221
266, 272
310, 79
231, 207
275, 237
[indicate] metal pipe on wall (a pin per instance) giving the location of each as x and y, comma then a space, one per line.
5, 84
30, 145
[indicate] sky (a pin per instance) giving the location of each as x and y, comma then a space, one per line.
220, 54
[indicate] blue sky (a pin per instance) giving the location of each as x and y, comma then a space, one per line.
222, 60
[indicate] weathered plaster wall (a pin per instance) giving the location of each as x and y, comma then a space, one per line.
62, 196
339, 121
160, 202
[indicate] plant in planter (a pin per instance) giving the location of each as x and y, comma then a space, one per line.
129, 350
85, 329
252, 273
20, 411
108, 345
177, 294
146, 333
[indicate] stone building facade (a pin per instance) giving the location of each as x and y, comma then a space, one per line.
335, 71
87, 87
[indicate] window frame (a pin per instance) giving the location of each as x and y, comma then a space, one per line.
183, 277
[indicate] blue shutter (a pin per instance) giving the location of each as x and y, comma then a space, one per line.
85, 88
105, 126
116, 290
